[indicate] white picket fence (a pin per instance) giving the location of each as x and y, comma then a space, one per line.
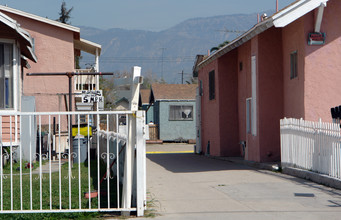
313, 146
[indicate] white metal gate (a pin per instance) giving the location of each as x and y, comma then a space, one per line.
102, 169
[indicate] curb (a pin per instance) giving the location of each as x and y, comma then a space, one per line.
264, 166
312, 176
300, 173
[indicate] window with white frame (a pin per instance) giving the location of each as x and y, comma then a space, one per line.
181, 113
6, 76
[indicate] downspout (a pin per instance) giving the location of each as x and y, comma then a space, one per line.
319, 17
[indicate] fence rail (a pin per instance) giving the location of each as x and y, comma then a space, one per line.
41, 170
312, 146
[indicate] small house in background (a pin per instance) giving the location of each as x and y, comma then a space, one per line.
287, 65
149, 108
122, 100
174, 111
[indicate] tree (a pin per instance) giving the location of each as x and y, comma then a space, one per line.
64, 14
150, 79
220, 46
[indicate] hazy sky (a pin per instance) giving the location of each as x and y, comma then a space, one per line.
152, 15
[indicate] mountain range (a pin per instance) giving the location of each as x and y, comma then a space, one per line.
164, 54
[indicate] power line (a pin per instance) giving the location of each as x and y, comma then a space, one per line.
163, 49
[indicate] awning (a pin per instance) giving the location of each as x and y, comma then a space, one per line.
21, 35
88, 46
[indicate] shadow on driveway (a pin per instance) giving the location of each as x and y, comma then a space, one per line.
185, 163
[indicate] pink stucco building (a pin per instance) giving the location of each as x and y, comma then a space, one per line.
33, 44
270, 72
56, 45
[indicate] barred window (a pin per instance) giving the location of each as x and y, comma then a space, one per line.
211, 85
181, 113
293, 65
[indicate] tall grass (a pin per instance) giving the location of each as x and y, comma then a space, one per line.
54, 192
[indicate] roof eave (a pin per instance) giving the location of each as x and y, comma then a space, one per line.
41, 19
295, 11
88, 46
257, 29
278, 20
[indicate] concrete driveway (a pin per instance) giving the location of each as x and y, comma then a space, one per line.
189, 186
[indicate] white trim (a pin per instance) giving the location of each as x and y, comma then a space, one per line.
15, 76
23, 33
7, 144
15, 71
88, 46
280, 19
38, 18
296, 11
254, 95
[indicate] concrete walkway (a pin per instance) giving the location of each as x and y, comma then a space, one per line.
188, 186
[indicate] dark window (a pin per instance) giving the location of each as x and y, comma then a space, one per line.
6, 76
241, 66
200, 88
181, 113
293, 65
212, 85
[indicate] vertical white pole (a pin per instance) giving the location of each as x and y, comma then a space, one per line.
79, 164
21, 191
50, 161
98, 164
140, 166
60, 165
108, 163
97, 68
40, 166
129, 156
31, 206
11, 159
117, 163
89, 175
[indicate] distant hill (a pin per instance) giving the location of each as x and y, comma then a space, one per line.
122, 49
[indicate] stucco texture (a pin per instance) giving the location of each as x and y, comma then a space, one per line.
175, 130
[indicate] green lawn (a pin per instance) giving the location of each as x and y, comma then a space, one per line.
55, 189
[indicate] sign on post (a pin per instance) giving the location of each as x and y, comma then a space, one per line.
92, 96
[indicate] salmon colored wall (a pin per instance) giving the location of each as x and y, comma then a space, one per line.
270, 93
294, 39
210, 111
55, 52
252, 142
228, 103
244, 87
323, 81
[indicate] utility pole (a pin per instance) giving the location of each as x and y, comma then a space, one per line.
163, 49
182, 77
